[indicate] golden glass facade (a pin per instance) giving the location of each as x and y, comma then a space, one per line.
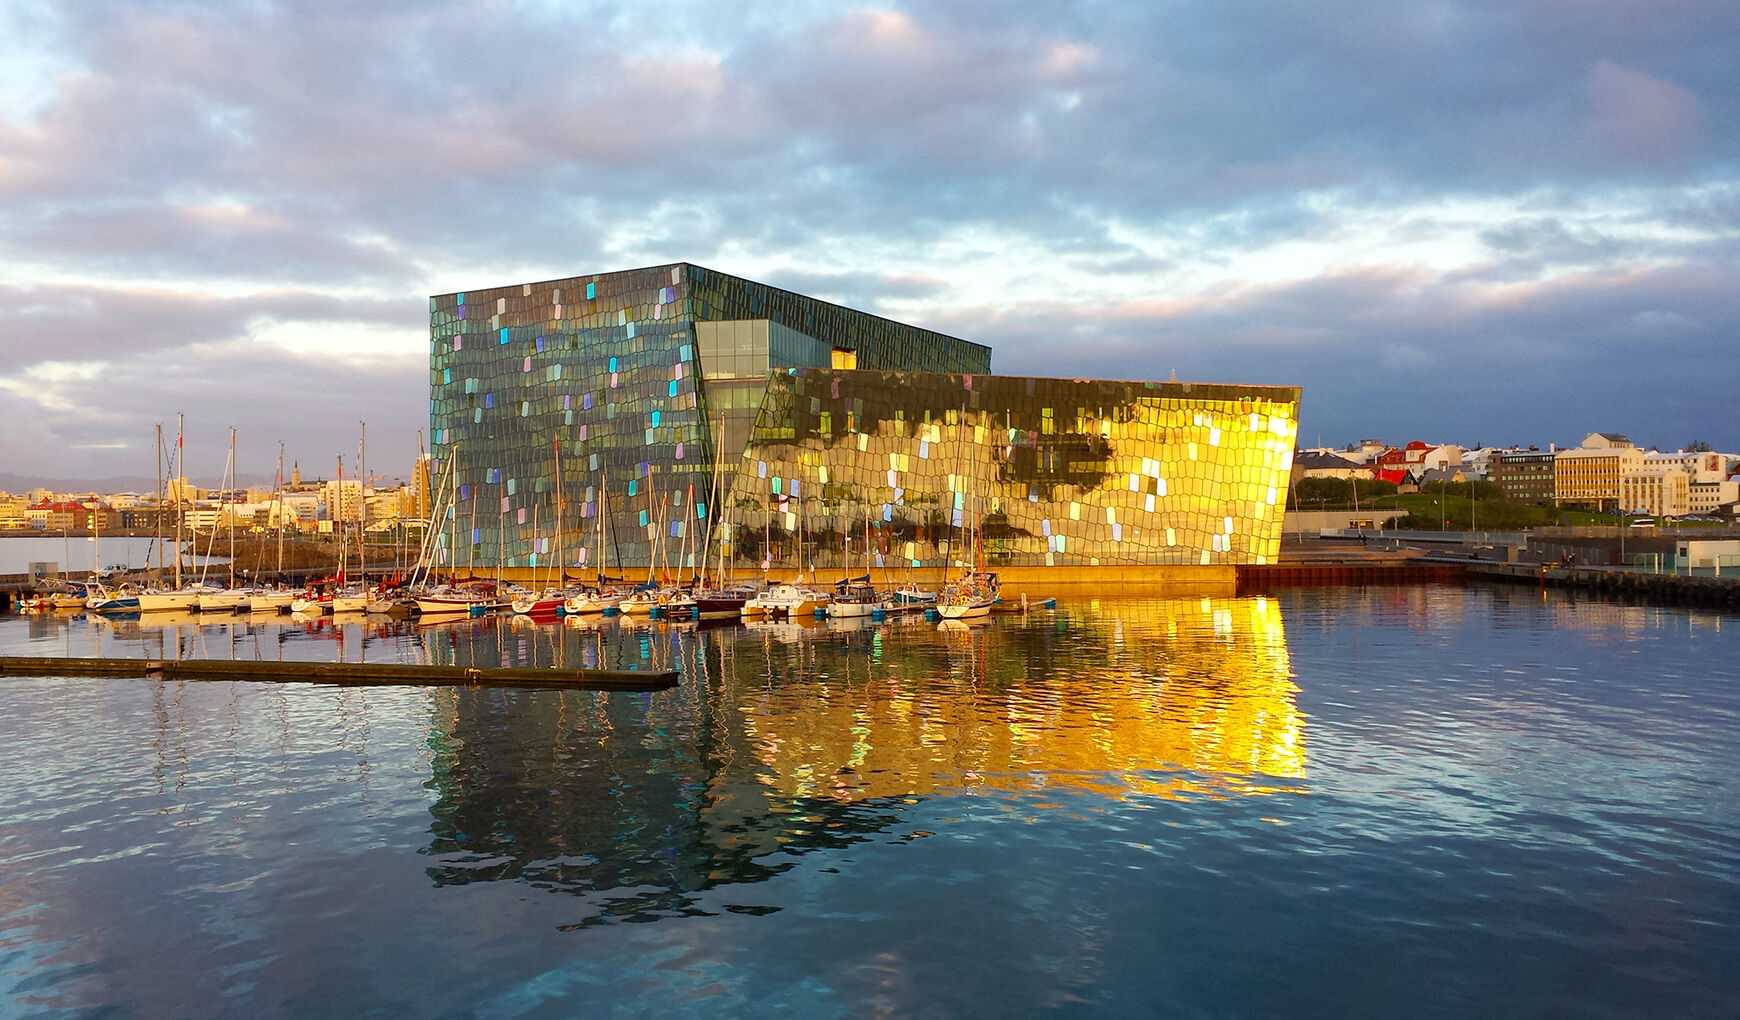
855, 469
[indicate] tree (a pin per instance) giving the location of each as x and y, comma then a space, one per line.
1697, 446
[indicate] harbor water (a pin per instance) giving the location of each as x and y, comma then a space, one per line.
81, 554
1411, 801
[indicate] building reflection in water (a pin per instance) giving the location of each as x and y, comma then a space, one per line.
786, 740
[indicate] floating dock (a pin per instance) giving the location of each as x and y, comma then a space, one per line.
350, 674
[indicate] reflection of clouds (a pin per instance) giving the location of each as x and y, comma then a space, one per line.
1143, 693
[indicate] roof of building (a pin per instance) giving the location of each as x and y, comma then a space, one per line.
1313, 460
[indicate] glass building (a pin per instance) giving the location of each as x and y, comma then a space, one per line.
628, 387
588, 421
879, 470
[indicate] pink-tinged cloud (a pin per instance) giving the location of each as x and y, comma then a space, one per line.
1643, 119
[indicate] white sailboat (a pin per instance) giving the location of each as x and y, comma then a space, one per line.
180, 598
228, 599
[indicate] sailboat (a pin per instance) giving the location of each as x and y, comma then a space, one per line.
857, 596
794, 598
230, 598
973, 593
549, 601
274, 599
603, 597
179, 598
100, 599
353, 598
452, 599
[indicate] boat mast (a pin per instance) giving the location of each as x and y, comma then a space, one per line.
279, 482
362, 503
178, 462
338, 516
232, 511
600, 510
158, 577
561, 560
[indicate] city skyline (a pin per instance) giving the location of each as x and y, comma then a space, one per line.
1446, 222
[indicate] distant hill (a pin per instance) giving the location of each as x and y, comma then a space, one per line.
122, 483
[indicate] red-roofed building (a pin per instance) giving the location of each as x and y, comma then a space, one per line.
56, 515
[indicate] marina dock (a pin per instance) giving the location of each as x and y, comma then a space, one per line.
350, 674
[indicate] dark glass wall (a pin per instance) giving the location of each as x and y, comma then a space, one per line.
598, 381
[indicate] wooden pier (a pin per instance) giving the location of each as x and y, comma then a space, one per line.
349, 674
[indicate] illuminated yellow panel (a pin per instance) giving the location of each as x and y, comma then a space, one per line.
1030, 471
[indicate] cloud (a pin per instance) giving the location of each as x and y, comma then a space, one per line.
1379, 201
1643, 120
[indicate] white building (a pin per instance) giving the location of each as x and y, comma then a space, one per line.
1662, 491
1709, 497
1701, 467
344, 499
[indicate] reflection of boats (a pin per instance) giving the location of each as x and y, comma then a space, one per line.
789, 630
171, 619
1155, 698
847, 624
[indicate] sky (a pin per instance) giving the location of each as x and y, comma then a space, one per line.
1508, 222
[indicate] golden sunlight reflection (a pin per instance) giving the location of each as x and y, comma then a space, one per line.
1153, 698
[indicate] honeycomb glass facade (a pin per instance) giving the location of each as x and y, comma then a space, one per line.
557, 400
848, 469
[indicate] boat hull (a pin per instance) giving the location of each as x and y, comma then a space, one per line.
223, 602
168, 601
